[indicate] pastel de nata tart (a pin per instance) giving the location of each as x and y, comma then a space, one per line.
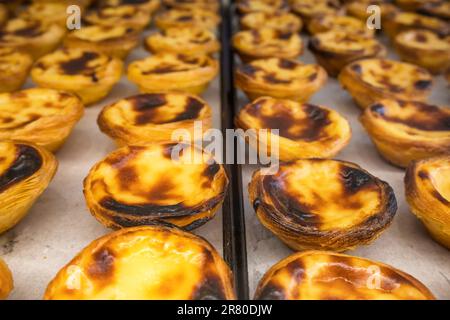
31, 36
114, 41
125, 16
89, 74
191, 40
402, 21
153, 117
47, 13
424, 48
14, 68
150, 6
270, 6
167, 183
280, 78
339, 23
427, 190
371, 80
332, 276
305, 130
177, 18
173, 72
211, 5
267, 43
44, 117
413, 5
284, 21
144, 263
307, 9
6, 280
418, 129
26, 171
322, 204
358, 9
439, 9
83, 4
334, 50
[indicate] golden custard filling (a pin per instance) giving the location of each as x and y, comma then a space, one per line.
279, 20
187, 18
212, 5
13, 61
410, 20
145, 263
424, 40
47, 13
147, 5
341, 42
267, 42
440, 181
124, 15
102, 33
170, 182
269, 6
311, 8
339, 23
331, 276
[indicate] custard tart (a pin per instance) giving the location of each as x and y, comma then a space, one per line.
427, 190
413, 5
192, 41
424, 48
339, 23
47, 13
31, 36
371, 80
44, 117
408, 20
307, 9
168, 183
150, 6
145, 263
358, 9
440, 9
404, 131
125, 16
305, 130
177, 18
6, 280
211, 5
89, 74
153, 117
321, 275
268, 6
83, 4
280, 78
267, 43
114, 41
14, 69
322, 204
173, 72
26, 171
334, 50
283, 21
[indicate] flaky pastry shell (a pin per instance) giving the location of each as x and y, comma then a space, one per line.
173, 72
322, 204
165, 183
86, 73
153, 117
371, 80
26, 170
332, 276
123, 15
177, 18
144, 263
45, 117
280, 78
6, 280
284, 21
404, 131
14, 68
427, 190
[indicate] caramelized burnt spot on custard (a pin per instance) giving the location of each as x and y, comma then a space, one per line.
423, 39
187, 18
324, 275
339, 23
20, 29
410, 20
269, 6
439, 9
17, 163
193, 35
173, 63
99, 33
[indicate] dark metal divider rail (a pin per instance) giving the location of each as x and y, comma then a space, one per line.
234, 243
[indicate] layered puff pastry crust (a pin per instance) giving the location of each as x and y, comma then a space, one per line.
167, 183
144, 263
211, 5
153, 117
176, 18
339, 23
26, 171
267, 43
125, 16
192, 41
427, 190
322, 204
173, 72
404, 131
44, 117
150, 6
31, 36
308, 9
332, 276
14, 68
305, 130
280, 78
6, 280
284, 21
371, 80
114, 41
334, 50
268, 6
89, 74
424, 48
402, 21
